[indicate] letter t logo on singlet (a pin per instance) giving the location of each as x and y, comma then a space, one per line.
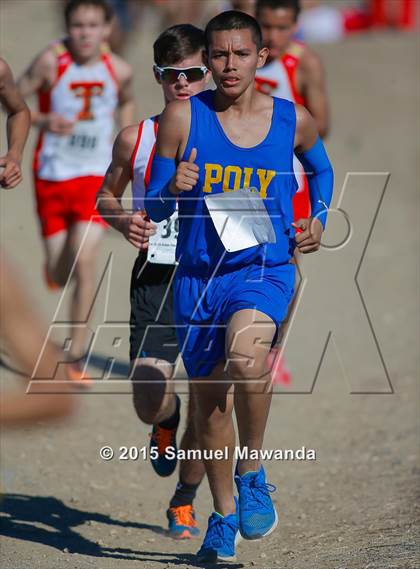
86, 90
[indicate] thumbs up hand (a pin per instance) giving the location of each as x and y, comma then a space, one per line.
186, 175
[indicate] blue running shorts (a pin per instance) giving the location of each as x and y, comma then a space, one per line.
203, 307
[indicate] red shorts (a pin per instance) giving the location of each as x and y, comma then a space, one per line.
62, 204
301, 202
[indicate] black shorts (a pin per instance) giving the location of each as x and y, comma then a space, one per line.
152, 326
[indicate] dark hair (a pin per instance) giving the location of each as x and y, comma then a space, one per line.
276, 4
233, 20
177, 43
73, 5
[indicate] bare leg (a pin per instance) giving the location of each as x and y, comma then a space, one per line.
153, 392
191, 471
84, 245
59, 260
248, 341
215, 430
157, 404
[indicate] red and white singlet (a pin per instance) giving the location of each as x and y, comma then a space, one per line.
87, 94
162, 245
278, 79
141, 160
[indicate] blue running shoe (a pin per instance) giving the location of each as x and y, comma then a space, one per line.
182, 523
221, 538
257, 515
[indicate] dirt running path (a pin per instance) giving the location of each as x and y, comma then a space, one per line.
352, 508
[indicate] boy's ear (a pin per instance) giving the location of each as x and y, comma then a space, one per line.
262, 57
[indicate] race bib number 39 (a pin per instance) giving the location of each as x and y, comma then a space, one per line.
162, 245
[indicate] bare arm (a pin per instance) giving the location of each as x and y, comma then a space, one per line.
173, 130
306, 132
126, 104
135, 228
38, 76
18, 123
315, 91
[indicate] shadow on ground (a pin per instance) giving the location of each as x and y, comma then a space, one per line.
49, 521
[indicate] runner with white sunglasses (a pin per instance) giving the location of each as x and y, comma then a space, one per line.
179, 69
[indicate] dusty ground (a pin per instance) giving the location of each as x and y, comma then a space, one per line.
352, 508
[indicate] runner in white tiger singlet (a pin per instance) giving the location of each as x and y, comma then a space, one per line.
80, 85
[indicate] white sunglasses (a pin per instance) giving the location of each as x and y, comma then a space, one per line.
174, 74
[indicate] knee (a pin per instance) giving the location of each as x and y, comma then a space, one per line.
247, 369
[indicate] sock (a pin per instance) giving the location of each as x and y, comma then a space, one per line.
184, 494
173, 421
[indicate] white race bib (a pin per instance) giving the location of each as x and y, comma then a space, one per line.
84, 143
162, 245
241, 219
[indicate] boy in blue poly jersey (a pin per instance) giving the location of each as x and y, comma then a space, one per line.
230, 296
